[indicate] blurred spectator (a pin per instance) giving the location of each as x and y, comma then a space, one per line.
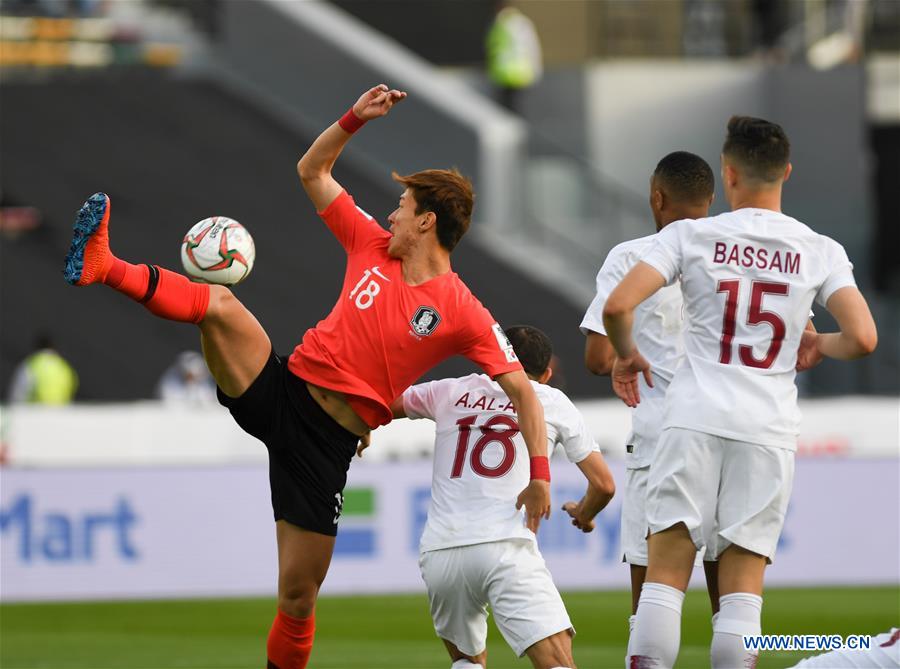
514, 60
187, 381
770, 21
846, 43
704, 32
44, 377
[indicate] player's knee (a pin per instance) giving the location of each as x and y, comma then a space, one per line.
298, 600
221, 302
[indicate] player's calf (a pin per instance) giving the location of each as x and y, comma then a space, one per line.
290, 641
554, 652
657, 630
739, 616
463, 661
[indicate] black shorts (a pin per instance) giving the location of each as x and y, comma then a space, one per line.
309, 453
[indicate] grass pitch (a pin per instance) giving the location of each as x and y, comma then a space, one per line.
381, 632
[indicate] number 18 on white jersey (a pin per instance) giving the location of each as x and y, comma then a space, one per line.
481, 461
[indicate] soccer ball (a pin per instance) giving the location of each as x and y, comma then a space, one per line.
218, 250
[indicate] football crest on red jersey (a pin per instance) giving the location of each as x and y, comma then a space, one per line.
425, 321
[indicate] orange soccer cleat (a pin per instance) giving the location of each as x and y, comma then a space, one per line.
89, 258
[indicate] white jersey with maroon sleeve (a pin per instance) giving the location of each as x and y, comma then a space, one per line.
481, 462
657, 331
748, 278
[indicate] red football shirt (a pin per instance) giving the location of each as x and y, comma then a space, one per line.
383, 334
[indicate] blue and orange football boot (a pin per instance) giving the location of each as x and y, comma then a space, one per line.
89, 258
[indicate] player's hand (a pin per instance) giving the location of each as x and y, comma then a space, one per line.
808, 355
364, 442
377, 102
574, 511
624, 377
536, 500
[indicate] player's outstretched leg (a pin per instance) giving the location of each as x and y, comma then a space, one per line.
235, 345
89, 260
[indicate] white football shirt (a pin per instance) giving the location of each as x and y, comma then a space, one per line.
481, 461
748, 279
657, 332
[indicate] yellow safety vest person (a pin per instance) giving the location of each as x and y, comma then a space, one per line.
49, 379
513, 50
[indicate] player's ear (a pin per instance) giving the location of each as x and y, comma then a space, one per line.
729, 174
428, 221
545, 377
787, 172
661, 199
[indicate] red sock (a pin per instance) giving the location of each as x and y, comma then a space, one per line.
165, 293
290, 641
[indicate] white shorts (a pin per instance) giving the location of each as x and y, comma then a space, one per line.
508, 575
634, 517
725, 491
633, 533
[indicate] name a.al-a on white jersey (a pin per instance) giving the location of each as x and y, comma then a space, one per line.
657, 332
481, 462
748, 279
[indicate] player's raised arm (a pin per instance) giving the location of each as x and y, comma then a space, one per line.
618, 316
316, 164
530, 412
858, 336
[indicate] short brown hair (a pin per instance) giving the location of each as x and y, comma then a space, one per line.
759, 146
532, 347
447, 194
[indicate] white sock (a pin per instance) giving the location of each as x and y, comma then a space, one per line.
465, 664
657, 629
715, 617
739, 615
631, 620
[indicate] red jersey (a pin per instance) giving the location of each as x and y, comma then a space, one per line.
382, 333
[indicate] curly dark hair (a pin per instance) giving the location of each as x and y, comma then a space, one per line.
686, 177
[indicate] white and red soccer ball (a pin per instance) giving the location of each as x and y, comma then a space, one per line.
218, 250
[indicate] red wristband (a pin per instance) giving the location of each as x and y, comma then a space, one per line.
350, 122
540, 468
